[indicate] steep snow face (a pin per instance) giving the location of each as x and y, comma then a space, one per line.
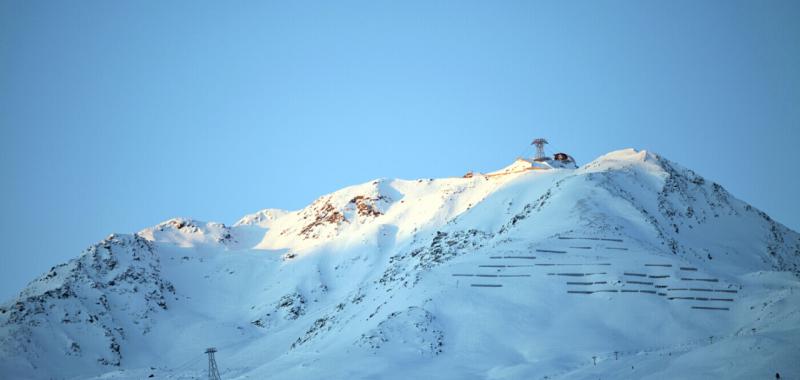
692, 216
628, 267
360, 212
75, 318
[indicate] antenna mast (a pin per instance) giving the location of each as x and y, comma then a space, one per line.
213, 371
539, 143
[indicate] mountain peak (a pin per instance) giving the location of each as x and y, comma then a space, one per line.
262, 218
624, 158
186, 232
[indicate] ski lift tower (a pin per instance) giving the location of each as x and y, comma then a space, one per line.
539, 143
213, 371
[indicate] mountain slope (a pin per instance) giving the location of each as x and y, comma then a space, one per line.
631, 262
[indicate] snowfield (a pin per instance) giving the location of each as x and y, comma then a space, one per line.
629, 267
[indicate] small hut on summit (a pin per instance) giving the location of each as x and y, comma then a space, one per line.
559, 160
563, 157
539, 162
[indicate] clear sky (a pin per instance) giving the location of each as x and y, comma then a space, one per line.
117, 115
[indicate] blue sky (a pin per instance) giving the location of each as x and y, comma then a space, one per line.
115, 116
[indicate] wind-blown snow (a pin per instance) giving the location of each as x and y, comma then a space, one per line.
631, 262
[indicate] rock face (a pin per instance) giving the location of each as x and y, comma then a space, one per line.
630, 261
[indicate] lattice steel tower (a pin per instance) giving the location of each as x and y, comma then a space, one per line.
539, 147
213, 371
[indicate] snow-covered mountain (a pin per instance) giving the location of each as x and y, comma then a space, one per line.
628, 267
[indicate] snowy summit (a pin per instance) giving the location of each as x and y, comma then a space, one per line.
628, 267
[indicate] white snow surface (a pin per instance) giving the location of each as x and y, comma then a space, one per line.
630, 266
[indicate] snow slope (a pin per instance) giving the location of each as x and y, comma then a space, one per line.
628, 267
